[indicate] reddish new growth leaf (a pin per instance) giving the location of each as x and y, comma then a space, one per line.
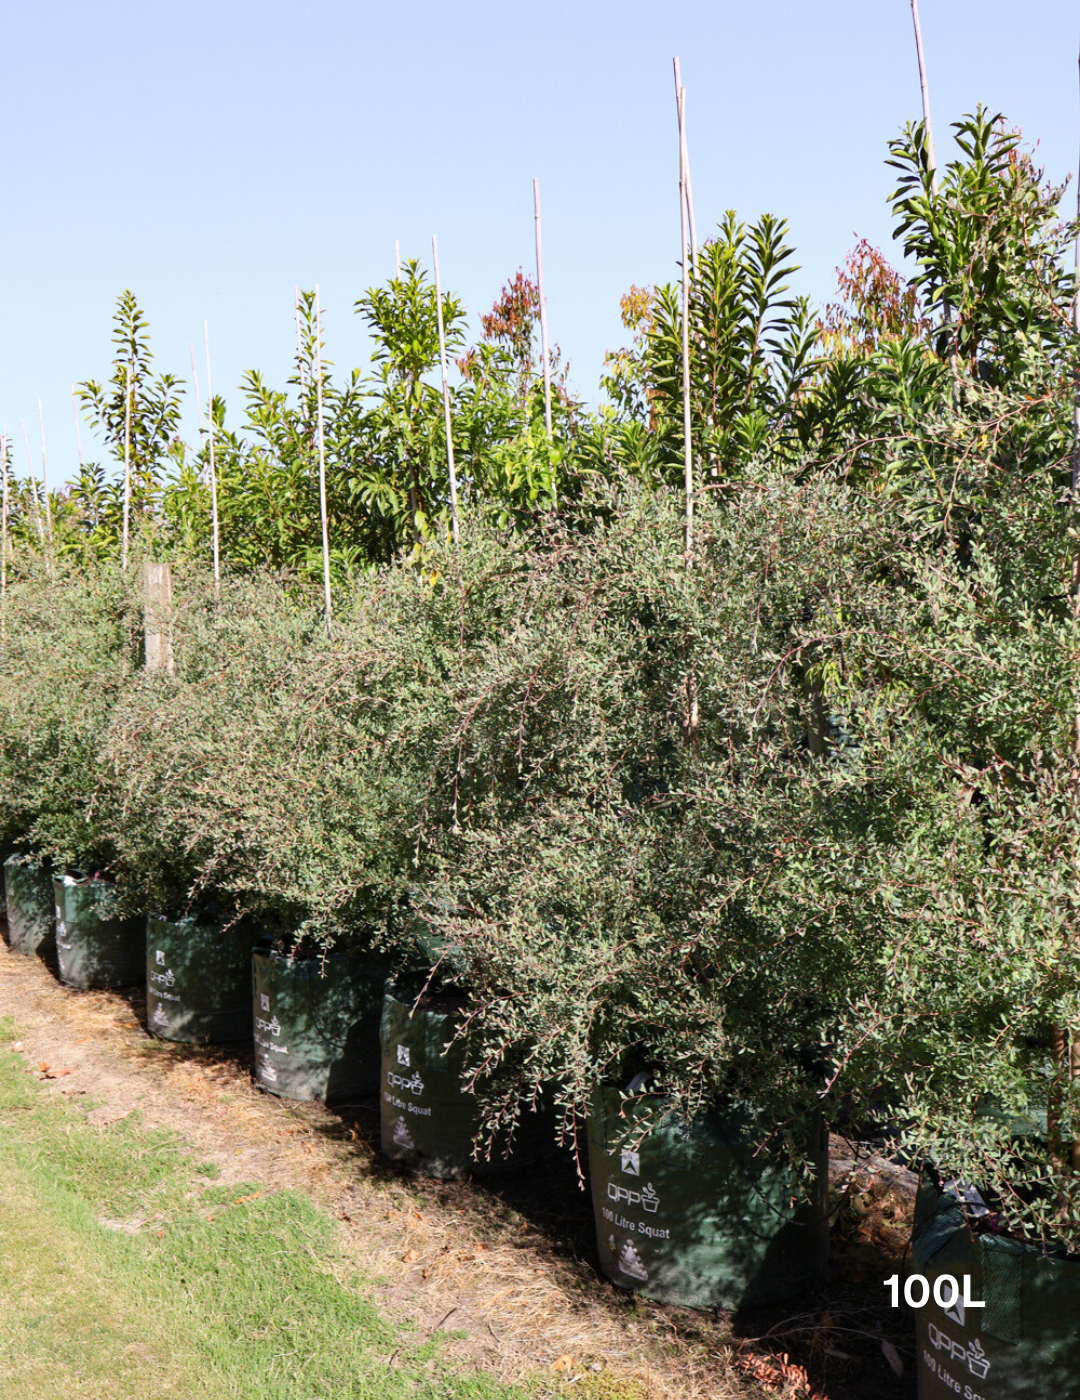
876, 304
514, 314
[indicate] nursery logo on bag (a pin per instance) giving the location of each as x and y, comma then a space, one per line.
268, 1072
415, 1085
272, 1025
629, 1261
159, 1015
264, 1001
401, 1134
403, 1055
160, 955
631, 1163
973, 1356
646, 1198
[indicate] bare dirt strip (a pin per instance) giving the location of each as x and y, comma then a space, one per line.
511, 1264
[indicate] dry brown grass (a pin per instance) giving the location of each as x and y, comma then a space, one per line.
508, 1269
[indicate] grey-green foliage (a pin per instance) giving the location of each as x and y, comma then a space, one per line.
603, 880
256, 770
70, 638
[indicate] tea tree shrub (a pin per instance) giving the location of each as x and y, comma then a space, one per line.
72, 639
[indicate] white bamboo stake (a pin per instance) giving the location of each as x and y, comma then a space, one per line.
127, 466
44, 475
33, 486
685, 153
684, 208
925, 86
198, 396
688, 451
543, 329
78, 432
1076, 325
928, 128
445, 392
4, 540
213, 466
322, 466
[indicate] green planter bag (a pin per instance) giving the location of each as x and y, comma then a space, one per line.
29, 892
1024, 1343
317, 1024
427, 1119
198, 980
95, 947
690, 1215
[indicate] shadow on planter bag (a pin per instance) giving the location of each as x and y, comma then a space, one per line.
690, 1215
1024, 1344
428, 1119
317, 1023
96, 945
28, 890
198, 979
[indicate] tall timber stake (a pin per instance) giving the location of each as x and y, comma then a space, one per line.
684, 156
322, 464
213, 465
127, 467
688, 450
925, 87
1066, 1043
691, 723
543, 329
928, 128
445, 391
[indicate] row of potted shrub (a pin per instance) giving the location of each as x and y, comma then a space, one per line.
669, 823
683, 1215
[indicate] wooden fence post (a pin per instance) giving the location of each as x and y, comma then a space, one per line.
157, 617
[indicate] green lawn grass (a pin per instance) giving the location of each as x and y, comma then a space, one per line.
127, 1273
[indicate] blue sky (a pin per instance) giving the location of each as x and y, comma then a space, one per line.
210, 156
